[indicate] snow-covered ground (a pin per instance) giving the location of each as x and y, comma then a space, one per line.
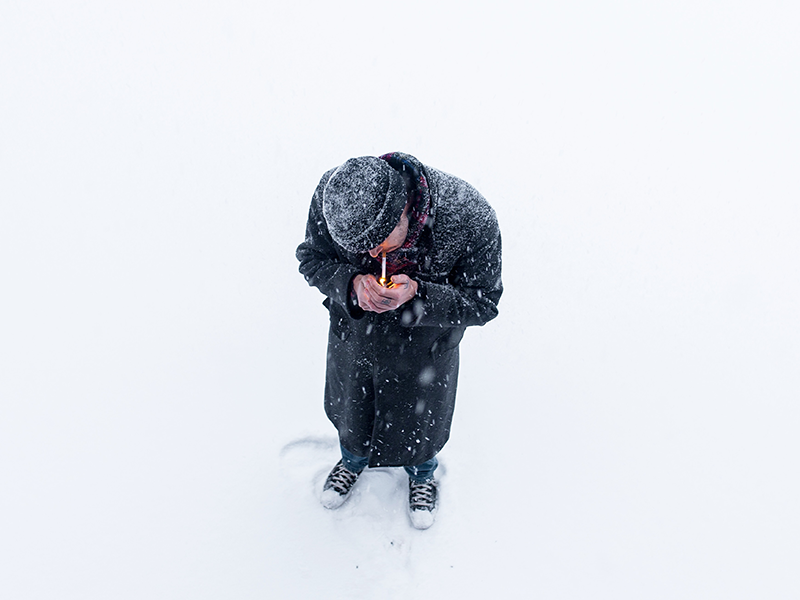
626, 429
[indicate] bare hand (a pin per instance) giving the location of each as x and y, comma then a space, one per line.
376, 298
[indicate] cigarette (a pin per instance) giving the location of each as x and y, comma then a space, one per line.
383, 281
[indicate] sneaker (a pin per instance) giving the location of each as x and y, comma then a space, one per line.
337, 486
422, 503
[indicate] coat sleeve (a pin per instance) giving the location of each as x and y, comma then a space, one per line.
473, 290
320, 260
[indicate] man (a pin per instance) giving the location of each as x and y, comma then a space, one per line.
392, 363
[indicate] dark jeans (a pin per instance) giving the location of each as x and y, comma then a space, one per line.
419, 473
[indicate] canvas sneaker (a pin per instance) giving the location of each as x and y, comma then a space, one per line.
338, 486
422, 503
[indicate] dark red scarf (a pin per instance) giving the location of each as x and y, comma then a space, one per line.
406, 258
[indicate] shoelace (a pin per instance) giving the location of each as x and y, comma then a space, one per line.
422, 495
342, 480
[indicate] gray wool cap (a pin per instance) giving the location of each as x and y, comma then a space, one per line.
362, 203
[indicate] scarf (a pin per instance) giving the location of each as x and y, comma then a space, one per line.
406, 258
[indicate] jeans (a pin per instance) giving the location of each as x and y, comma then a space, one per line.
419, 473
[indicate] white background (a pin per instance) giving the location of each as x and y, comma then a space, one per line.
627, 428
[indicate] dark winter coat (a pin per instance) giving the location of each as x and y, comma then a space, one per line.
391, 378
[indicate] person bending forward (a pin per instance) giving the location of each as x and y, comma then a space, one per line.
408, 257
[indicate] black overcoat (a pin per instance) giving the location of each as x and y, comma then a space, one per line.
391, 378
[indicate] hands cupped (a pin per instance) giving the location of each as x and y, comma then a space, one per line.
375, 298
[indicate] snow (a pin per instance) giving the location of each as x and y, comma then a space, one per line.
626, 428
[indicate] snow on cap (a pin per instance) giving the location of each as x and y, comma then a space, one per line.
363, 202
